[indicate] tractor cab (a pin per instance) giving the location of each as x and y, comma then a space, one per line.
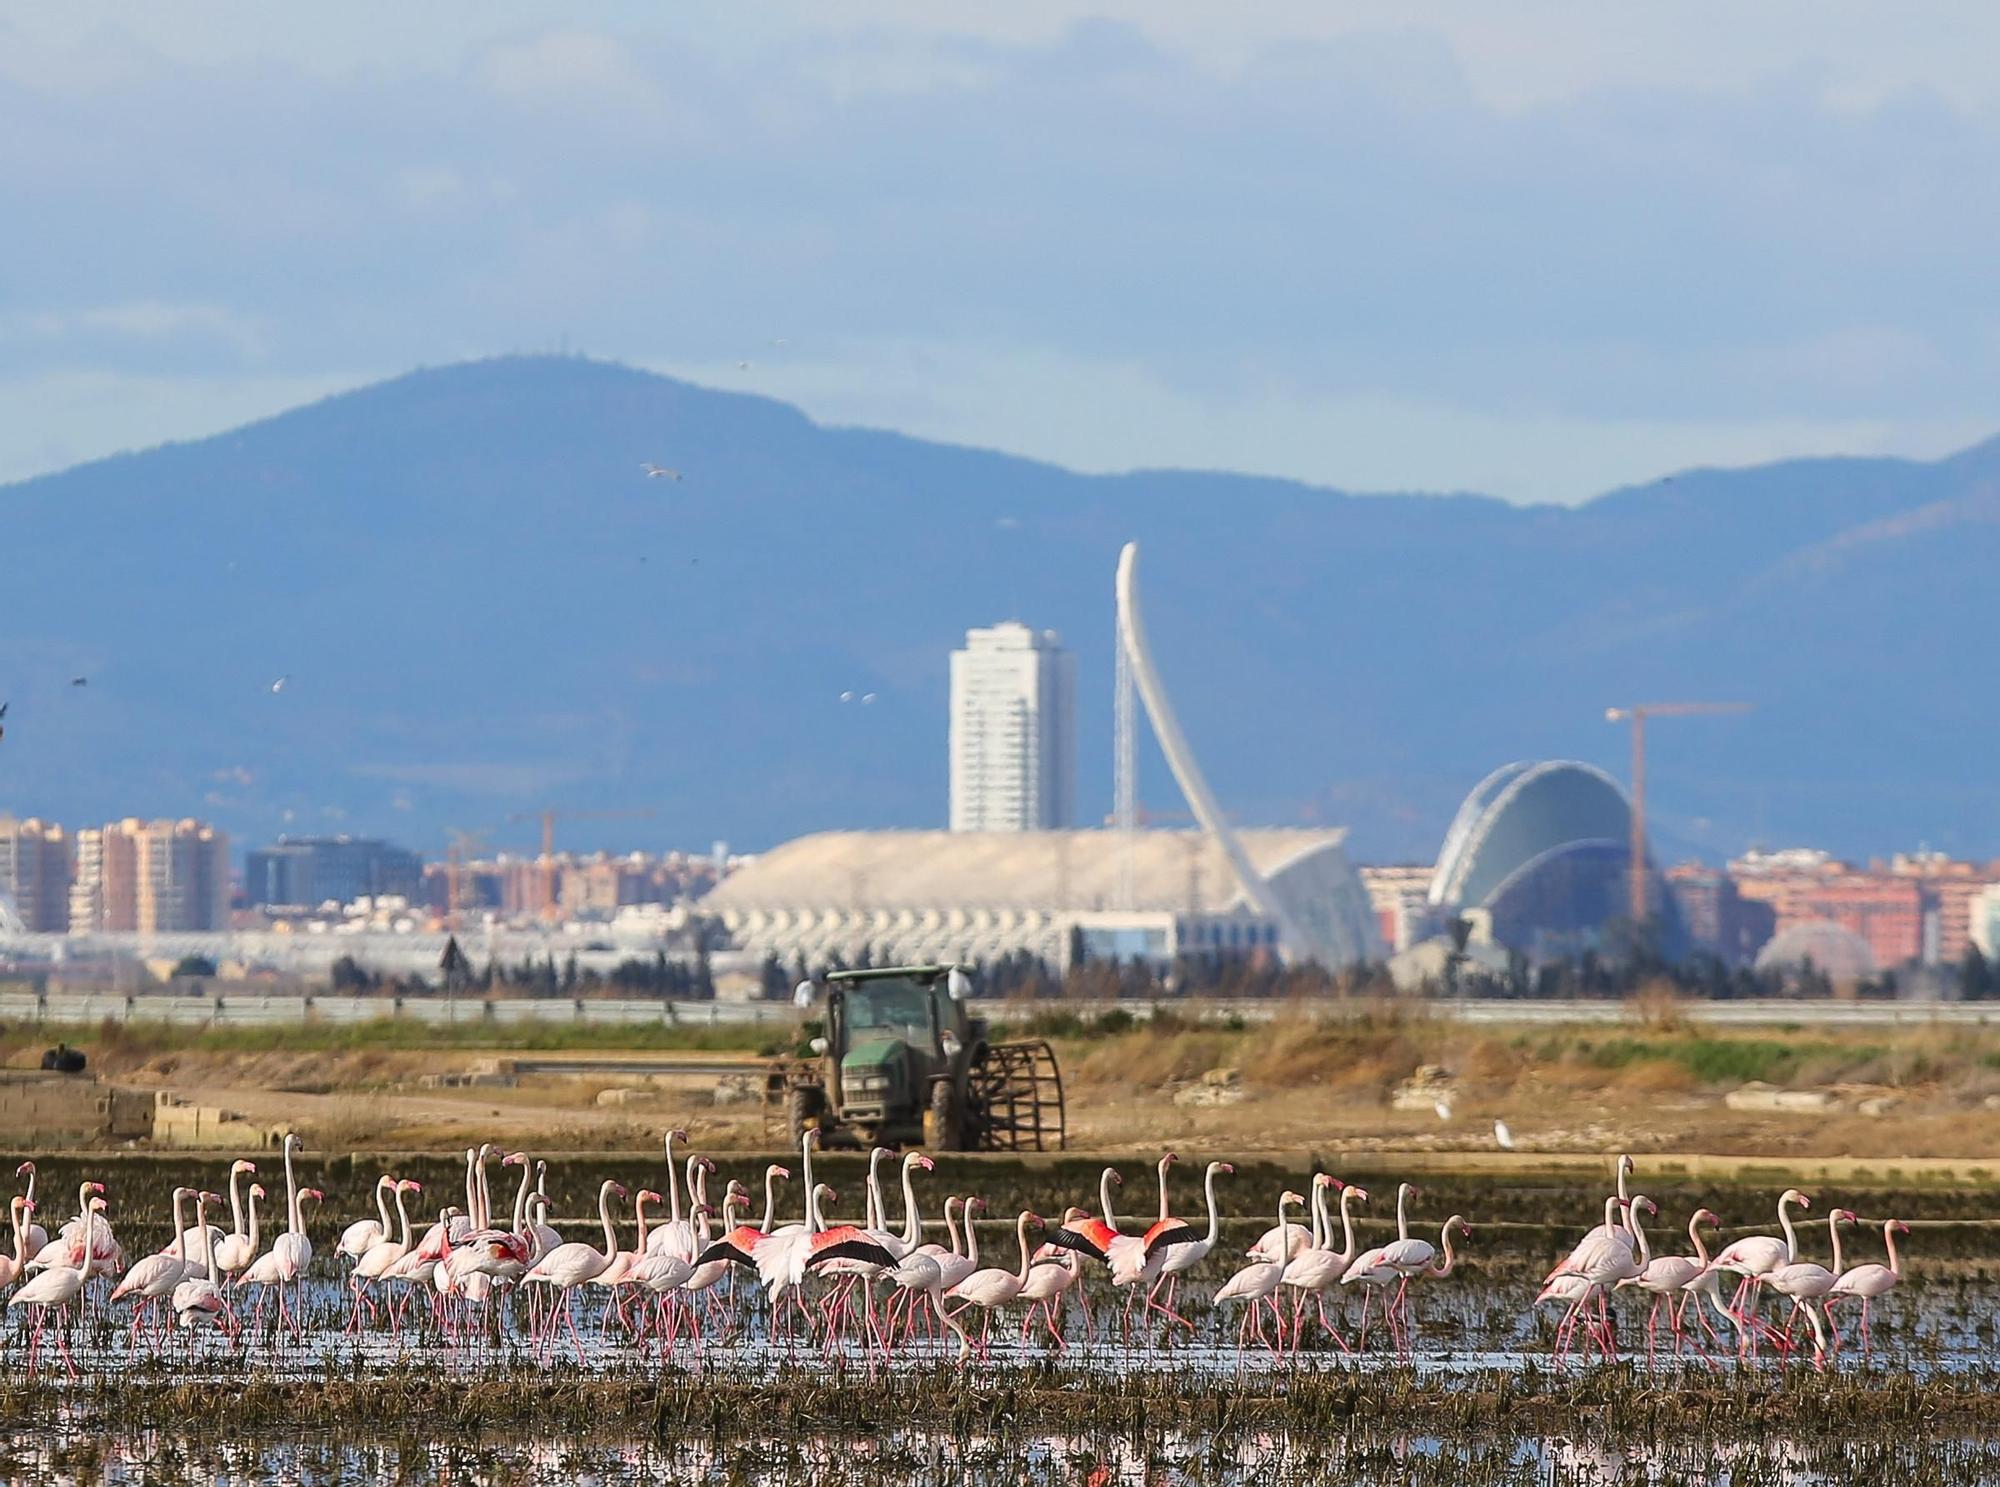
903, 1060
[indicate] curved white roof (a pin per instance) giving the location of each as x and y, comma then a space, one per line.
1043, 870
1517, 813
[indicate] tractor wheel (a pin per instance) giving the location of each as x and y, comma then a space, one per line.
803, 1109
941, 1120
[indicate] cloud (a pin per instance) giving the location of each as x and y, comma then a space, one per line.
1541, 256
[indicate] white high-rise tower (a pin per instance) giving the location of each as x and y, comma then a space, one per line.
1013, 731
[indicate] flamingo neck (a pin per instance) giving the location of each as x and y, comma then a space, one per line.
812, 1189
1320, 1235
1214, 1215
1163, 1189
485, 1219
207, 1241
876, 1219
951, 1222
1611, 1207
1889, 1239
235, 1201
697, 1184
1346, 1223
1700, 1249
294, 1219
17, 1217
814, 1223
639, 1213
1104, 1197
971, 1238
673, 1184
770, 1199
1833, 1229
1624, 1167
1638, 1230
1791, 1238
403, 1213
1402, 1216
1284, 1232
471, 1189
520, 1203
610, 1230
912, 1225
180, 1225
253, 1223
1021, 1229
1450, 1261
382, 1187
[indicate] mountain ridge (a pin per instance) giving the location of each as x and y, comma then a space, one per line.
485, 607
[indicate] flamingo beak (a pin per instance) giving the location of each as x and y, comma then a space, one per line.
1228, 1168
24, 1169
927, 1164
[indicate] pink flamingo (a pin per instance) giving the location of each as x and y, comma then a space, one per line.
18, 1209
201, 1296
1594, 1268
991, 1289
1806, 1282
238, 1247
1869, 1283
1258, 1282
568, 1266
380, 1259
1374, 1269
1665, 1278
1317, 1269
1759, 1254
58, 1287
1266, 1247
277, 1267
1175, 1248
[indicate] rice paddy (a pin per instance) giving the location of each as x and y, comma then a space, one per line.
1478, 1397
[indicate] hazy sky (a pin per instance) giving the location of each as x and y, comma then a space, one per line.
1531, 248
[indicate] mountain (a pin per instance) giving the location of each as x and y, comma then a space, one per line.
484, 607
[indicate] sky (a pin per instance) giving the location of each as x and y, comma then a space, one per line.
1536, 249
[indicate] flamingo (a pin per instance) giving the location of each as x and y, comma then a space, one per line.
991, 1289
1318, 1268
1594, 1270
1053, 1275
734, 1247
1869, 1283
279, 1267
660, 1275
1373, 1271
364, 1234
58, 1286
238, 1247
1180, 1247
1258, 1282
1760, 1254
568, 1266
201, 1296
1665, 1278
1807, 1282
382, 1257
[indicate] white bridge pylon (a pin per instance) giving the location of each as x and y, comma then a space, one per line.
1180, 758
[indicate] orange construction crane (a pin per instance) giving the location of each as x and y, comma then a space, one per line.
1636, 715
546, 865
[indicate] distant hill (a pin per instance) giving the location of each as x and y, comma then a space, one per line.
484, 607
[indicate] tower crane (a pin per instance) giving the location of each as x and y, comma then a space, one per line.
546, 865
1636, 715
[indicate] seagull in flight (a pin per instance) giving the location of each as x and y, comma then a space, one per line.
867, 697
279, 684
1443, 1108
659, 472
743, 366
79, 681
846, 696
1502, 1135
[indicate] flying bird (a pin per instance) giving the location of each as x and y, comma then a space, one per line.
3, 713
846, 696
279, 684
659, 472
743, 366
867, 697
1502, 1135
79, 681
780, 343
1443, 1108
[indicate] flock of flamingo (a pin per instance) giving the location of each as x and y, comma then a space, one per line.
820, 1279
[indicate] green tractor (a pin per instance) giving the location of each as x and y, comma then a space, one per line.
902, 1062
